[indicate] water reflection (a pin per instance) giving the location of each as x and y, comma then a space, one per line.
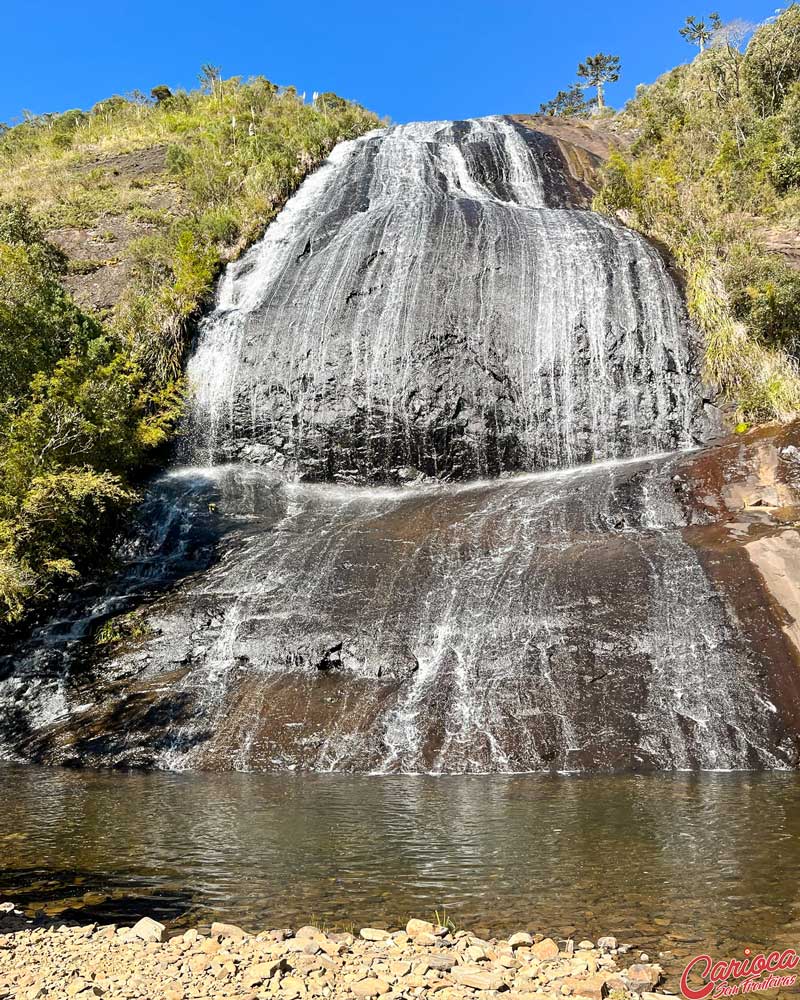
665, 861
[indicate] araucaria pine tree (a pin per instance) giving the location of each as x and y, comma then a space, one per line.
598, 71
698, 32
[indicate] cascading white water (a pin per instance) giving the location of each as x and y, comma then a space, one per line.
433, 297
433, 302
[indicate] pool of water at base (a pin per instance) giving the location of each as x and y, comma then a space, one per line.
674, 864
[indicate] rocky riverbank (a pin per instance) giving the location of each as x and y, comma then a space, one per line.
424, 960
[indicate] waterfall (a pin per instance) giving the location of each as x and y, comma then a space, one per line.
433, 298
423, 515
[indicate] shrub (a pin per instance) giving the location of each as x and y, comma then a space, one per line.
772, 62
714, 164
85, 405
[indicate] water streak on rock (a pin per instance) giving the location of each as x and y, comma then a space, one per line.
433, 297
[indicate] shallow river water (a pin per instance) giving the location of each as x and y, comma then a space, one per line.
673, 863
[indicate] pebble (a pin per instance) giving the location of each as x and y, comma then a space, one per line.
415, 927
148, 930
228, 931
374, 934
545, 950
520, 940
370, 988
44, 962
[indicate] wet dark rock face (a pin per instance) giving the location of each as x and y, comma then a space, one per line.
437, 297
564, 621
322, 582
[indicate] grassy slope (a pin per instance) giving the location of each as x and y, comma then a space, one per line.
713, 172
147, 200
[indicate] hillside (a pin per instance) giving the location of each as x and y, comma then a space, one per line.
711, 169
114, 224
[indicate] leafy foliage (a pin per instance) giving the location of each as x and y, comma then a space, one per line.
772, 63
698, 32
179, 185
711, 172
599, 70
569, 103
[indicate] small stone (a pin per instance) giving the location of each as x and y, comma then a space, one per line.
261, 972
333, 948
147, 929
370, 987
476, 978
311, 932
228, 931
415, 927
292, 986
644, 975
374, 934
476, 954
545, 950
520, 940
607, 943
441, 962
198, 964
585, 946
594, 988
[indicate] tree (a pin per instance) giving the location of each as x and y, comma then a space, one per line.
598, 71
161, 93
698, 32
733, 33
570, 103
210, 78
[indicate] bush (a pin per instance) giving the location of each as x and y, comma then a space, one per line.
178, 159
85, 405
772, 62
784, 171
713, 165
765, 294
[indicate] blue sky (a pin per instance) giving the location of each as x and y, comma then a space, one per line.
408, 60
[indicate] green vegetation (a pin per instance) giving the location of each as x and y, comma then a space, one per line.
123, 628
713, 172
698, 32
569, 103
596, 72
163, 192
